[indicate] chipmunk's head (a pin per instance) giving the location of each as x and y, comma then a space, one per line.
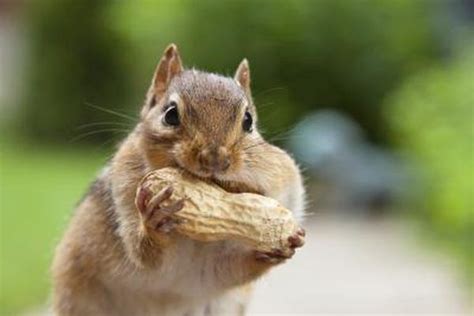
201, 122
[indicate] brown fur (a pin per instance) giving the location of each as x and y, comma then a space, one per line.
110, 263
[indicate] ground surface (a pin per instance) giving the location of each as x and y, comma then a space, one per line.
362, 266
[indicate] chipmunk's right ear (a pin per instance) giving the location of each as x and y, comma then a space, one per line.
242, 76
169, 66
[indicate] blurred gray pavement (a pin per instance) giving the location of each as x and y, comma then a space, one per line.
360, 266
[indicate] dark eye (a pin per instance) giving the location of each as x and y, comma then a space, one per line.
247, 122
171, 115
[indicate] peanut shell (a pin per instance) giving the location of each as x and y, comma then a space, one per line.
213, 214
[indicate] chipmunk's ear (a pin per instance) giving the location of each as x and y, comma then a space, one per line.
169, 66
242, 76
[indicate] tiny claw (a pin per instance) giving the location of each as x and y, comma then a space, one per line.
262, 256
173, 208
296, 241
274, 256
162, 214
265, 257
288, 255
301, 232
155, 201
167, 224
142, 199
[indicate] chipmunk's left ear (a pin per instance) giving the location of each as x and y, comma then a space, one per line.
242, 76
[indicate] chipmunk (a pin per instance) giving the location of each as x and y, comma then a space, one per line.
117, 258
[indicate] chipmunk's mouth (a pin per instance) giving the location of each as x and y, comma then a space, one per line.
235, 186
224, 181
236, 183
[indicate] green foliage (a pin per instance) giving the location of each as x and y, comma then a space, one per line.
432, 119
75, 59
304, 54
39, 187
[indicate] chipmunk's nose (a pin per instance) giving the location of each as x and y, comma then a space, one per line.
214, 159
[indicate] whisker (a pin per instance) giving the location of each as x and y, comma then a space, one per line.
122, 115
83, 126
108, 142
270, 115
259, 143
257, 153
284, 134
309, 214
280, 138
83, 135
258, 150
264, 105
267, 91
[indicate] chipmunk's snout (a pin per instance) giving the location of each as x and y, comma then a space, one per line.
214, 159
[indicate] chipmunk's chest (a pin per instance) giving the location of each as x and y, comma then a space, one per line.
187, 271
184, 282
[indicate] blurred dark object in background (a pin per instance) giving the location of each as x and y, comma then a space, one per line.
351, 174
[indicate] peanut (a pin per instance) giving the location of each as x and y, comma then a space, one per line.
212, 214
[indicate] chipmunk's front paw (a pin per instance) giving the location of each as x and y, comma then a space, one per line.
279, 255
156, 210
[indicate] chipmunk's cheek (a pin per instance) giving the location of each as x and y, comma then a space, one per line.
236, 163
180, 155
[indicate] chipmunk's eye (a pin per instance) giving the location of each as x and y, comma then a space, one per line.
247, 123
171, 115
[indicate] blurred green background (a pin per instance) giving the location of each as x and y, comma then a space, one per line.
403, 71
